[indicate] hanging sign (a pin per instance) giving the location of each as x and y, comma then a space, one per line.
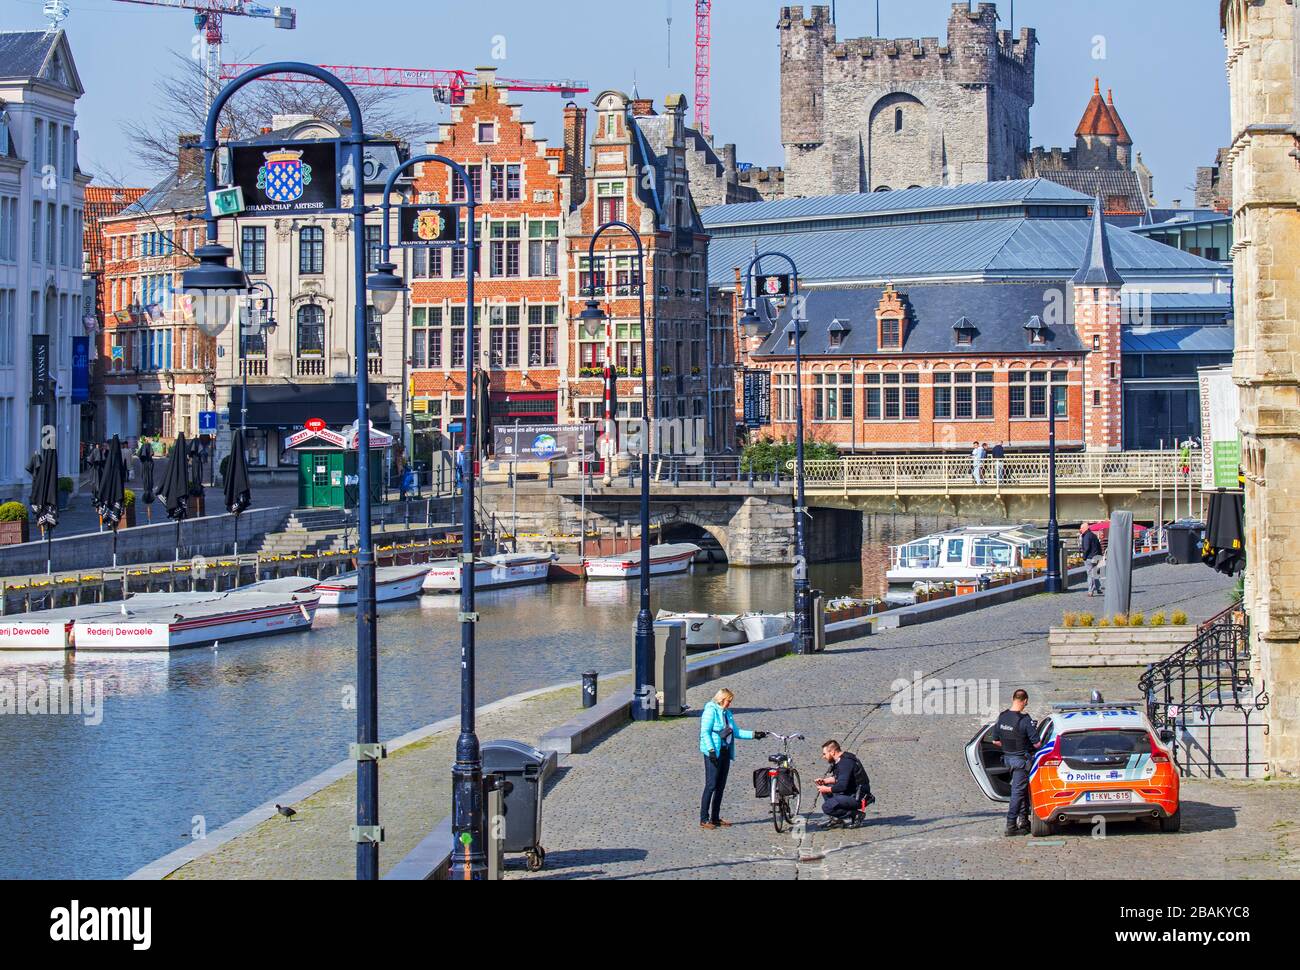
428, 225
80, 370
40, 367
296, 176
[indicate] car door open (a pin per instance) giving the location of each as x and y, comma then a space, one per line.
985, 763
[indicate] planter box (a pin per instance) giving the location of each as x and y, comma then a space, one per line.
1116, 646
13, 533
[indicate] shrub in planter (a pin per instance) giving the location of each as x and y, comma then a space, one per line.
13, 523
65, 492
1070, 620
1159, 619
1087, 620
1137, 619
1179, 618
1120, 620
1104, 623
128, 517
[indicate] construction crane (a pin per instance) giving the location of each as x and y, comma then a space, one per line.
703, 63
448, 86
208, 15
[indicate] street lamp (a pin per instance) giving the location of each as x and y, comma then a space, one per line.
265, 324
468, 823
1052, 583
213, 278
645, 702
752, 324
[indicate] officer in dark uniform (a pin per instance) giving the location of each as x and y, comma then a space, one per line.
1016, 735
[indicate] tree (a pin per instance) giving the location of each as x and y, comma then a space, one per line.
184, 111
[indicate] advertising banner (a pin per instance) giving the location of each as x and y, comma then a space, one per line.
1220, 439
543, 442
758, 398
80, 370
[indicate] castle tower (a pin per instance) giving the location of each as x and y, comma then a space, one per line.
1098, 318
1096, 140
1123, 143
873, 114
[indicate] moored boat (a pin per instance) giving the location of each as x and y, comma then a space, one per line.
707, 631
392, 583
764, 626
664, 560
491, 572
233, 615
962, 554
52, 629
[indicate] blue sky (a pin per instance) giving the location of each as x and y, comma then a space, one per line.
1163, 58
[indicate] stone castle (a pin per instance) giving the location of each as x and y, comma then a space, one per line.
870, 114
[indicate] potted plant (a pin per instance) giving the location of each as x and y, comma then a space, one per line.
1124, 640
65, 492
128, 516
13, 523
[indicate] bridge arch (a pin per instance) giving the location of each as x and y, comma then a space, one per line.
679, 526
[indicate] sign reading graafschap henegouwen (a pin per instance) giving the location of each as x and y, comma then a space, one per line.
297, 176
542, 442
428, 225
773, 286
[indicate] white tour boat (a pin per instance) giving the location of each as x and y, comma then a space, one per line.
491, 572
233, 615
707, 631
392, 583
664, 560
764, 626
963, 554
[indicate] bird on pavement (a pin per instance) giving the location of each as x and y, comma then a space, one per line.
286, 811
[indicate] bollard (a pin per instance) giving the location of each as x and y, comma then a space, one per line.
631, 481
550, 475
589, 691
713, 474
677, 474
751, 476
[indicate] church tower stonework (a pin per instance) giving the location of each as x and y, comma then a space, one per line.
1098, 318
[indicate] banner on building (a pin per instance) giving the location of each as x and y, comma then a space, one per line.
543, 442
758, 398
428, 225
1220, 439
40, 367
296, 176
80, 370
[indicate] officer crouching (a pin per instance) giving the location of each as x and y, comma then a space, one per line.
1016, 735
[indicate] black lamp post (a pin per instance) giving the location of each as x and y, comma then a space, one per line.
218, 289
469, 831
1052, 583
752, 324
645, 701
265, 324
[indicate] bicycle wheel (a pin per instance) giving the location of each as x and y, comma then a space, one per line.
792, 801
778, 812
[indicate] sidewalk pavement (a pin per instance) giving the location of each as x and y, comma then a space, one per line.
629, 808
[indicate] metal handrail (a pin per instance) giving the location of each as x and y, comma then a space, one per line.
947, 470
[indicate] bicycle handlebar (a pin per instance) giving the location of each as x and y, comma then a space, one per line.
788, 737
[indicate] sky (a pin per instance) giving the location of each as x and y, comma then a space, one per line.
1164, 59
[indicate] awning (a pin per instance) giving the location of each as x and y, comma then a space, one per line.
293, 405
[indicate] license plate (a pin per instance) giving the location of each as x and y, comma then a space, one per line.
1108, 796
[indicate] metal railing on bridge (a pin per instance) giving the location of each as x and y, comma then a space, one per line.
912, 473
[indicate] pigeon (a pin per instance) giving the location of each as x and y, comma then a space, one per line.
287, 812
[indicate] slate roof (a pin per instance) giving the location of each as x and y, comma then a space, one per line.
27, 53
172, 193
997, 311
1097, 268
1107, 183
650, 145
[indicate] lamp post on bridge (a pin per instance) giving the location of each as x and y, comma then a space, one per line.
752, 324
645, 703
1052, 583
469, 860
219, 289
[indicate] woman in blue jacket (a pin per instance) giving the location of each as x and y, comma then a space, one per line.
718, 733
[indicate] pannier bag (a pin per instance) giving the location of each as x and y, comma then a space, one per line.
785, 783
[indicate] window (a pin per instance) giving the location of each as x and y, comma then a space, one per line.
891, 333
311, 331
505, 182
487, 132
426, 263
833, 397
1096, 399
311, 250
898, 119
956, 550
426, 336
458, 336
36, 231
543, 247
1028, 393
51, 233
1017, 401
1038, 394
504, 249
374, 333
783, 387
543, 336
374, 247
253, 248
963, 400
1060, 398
38, 145
990, 553
984, 395
911, 397
610, 201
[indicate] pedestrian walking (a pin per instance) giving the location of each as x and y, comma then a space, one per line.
460, 468
1090, 547
977, 463
1016, 735
999, 457
718, 733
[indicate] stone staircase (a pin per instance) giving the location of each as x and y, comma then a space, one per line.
314, 531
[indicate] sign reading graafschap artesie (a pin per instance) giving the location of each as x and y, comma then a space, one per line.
428, 225
774, 285
297, 176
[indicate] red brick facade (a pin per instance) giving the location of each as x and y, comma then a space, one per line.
1098, 316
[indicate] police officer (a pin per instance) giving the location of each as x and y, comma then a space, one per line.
1016, 735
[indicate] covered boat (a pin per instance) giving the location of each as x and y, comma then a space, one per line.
707, 631
664, 560
234, 615
963, 554
392, 583
491, 572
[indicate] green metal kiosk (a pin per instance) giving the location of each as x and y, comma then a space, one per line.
327, 466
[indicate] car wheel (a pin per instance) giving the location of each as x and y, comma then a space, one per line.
1174, 822
1039, 828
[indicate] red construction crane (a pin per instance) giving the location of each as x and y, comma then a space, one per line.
703, 63
208, 15
447, 85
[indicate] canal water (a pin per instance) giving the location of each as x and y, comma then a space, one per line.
215, 733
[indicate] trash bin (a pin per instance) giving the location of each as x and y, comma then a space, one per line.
670, 666
1185, 537
526, 770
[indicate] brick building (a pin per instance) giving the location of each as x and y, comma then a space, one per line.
524, 188
153, 369
638, 174
873, 114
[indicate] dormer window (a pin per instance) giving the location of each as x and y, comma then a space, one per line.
836, 334
790, 332
891, 320
964, 332
1037, 330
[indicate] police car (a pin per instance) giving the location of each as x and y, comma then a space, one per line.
1095, 759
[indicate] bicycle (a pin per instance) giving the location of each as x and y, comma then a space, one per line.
780, 783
